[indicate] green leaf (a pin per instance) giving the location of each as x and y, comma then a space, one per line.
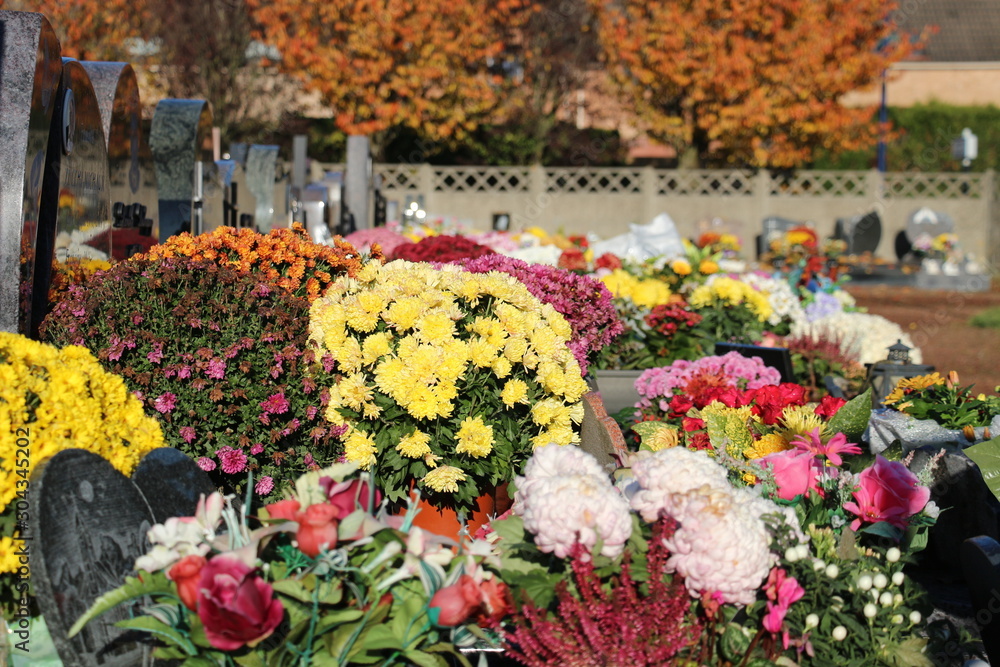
150, 584
986, 455
421, 659
909, 653
160, 629
295, 589
734, 643
852, 419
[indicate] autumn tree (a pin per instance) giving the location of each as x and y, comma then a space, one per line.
751, 82
432, 65
90, 29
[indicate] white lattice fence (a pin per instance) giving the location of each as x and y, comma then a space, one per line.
611, 180
933, 186
820, 184
702, 182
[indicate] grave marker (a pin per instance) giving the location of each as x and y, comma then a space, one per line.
261, 170
30, 69
135, 214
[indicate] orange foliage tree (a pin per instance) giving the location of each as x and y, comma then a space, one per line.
751, 82
90, 29
433, 65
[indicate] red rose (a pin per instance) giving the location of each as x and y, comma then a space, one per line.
186, 574
455, 604
236, 606
318, 526
608, 261
828, 406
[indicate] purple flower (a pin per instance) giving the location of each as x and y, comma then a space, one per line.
275, 404
206, 464
216, 369
165, 403
264, 486
187, 433
232, 460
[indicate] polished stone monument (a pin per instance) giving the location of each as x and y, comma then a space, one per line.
30, 69
261, 175
180, 138
134, 206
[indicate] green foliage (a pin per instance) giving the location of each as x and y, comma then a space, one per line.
987, 319
852, 418
986, 455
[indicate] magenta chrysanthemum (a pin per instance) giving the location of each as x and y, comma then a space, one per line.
275, 404
206, 464
264, 486
187, 432
232, 460
165, 403
216, 369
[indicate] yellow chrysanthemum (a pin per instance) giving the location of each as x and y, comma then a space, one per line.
435, 327
482, 353
514, 391
544, 411
772, 443
359, 448
649, 293
8, 556
415, 445
801, 420
501, 367
403, 313
913, 384
375, 346
681, 267
514, 349
708, 267
444, 479
475, 437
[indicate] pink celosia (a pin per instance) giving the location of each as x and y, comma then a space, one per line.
887, 491
232, 460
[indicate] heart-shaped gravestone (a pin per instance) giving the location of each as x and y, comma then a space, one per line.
88, 525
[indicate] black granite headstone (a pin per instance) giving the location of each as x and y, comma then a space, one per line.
981, 565
88, 525
134, 208
181, 140
30, 69
171, 483
862, 233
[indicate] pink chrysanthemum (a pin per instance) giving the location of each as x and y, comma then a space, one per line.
165, 403
256, 449
216, 369
264, 486
275, 404
232, 460
206, 464
187, 432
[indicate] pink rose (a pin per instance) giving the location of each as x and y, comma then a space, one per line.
455, 604
237, 607
795, 472
318, 527
347, 496
887, 491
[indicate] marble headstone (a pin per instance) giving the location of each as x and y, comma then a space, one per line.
30, 68
134, 209
180, 138
261, 171
75, 214
88, 528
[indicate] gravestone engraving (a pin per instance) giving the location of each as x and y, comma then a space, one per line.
74, 220
261, 175
88, 526
180, 138
132, 178
171, 482
30, 68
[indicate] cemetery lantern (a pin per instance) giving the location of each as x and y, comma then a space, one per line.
884, 375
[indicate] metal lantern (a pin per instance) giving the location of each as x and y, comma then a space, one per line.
885, 375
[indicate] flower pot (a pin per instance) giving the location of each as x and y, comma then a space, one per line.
617, 388
445, 521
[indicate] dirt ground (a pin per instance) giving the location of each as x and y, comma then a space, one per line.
938, 323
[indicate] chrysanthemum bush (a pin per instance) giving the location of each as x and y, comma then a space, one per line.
801, 564
285, 257
54, 399
731, 310
585, 302
220, 357
446, 379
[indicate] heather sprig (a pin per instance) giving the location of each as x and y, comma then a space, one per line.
218, 356
584, 301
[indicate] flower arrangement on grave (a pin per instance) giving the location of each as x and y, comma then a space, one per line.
286, 257
815, 358
53, 399
681, 561
943, 400
446, 379
940, 247
220, 357
584, 301
322, 581
442, 248
795, 244
719, 242
731, 310
656, 337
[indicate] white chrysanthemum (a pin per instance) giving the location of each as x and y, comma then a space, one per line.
676, 470
721, 545
566, 498
862, 336
785, 304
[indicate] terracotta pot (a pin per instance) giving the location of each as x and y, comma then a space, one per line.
445, 521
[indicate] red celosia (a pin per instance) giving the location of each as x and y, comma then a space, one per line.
628, 624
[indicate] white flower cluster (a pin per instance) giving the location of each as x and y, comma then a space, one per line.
565, 498
784, 302
721, 544
863, 337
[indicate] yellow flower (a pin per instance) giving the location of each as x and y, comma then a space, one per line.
650, 293
801, 420
514, 391
354, 391
708, 267
681, 267
514, 349
914, 385
8, 557
414, 446
772, 443
444, 479
482, 353
435, 327
359, 448
403, 313
375, 346
475, 437
662, 438
501, 367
